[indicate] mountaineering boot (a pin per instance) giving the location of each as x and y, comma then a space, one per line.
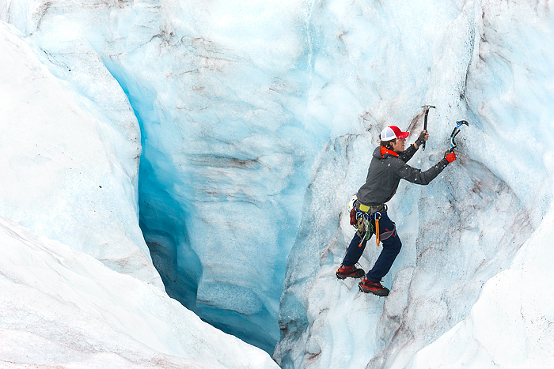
375, 288
349, 271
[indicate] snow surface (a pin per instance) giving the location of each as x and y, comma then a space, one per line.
64, 308
254, 123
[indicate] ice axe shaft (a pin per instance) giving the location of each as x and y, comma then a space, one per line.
426, 107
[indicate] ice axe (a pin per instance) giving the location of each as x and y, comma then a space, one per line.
455, 133
426, 107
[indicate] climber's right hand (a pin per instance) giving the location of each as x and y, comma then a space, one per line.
450, 155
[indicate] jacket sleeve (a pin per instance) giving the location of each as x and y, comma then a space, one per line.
408, 153
417, 176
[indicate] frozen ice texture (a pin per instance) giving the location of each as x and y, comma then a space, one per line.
255, 122
78, 285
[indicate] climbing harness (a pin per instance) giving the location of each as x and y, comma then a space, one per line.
426, 107
361, 216
455, 133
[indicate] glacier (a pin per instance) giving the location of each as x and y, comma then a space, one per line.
169, 164
83, 292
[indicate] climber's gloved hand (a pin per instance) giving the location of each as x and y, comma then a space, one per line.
423, 136
449, 156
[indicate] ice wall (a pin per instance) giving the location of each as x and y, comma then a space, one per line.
257, 122
482, 61
75, 179
69, 163
218, 91
223, 167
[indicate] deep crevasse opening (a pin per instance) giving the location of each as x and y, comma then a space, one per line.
217, 229
225, 158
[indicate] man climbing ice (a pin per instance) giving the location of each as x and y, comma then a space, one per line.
388, 166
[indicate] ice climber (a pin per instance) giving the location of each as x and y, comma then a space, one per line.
369, 214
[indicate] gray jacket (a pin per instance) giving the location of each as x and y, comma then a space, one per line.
387, 169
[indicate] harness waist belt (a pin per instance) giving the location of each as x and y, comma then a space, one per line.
372, 209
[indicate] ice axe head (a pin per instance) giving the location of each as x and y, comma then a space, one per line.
426, 107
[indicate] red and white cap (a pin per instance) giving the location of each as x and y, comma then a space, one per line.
392, 132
